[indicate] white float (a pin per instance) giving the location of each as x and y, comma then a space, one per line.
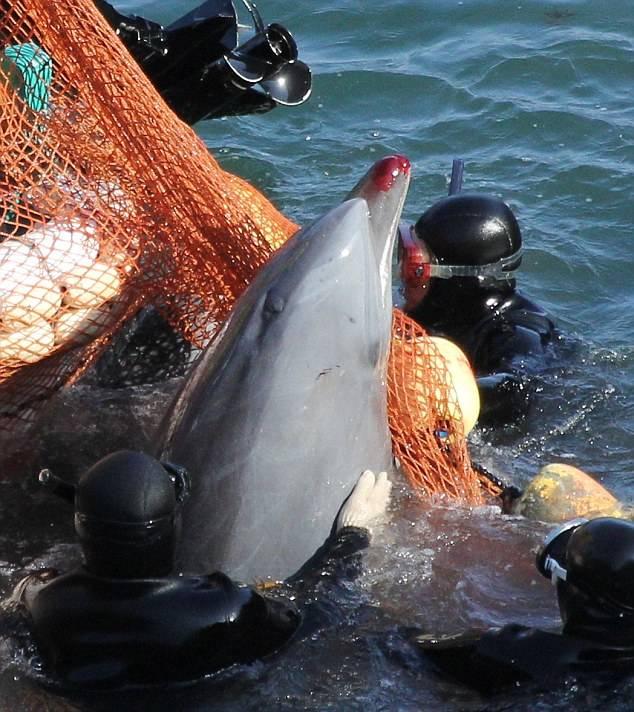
28, 344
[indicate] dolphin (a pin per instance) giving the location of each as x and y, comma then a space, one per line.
287, 405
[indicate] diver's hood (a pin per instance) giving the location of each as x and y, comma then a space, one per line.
592, 565
471, 229
126, 508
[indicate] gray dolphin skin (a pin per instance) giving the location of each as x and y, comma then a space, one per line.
287, 406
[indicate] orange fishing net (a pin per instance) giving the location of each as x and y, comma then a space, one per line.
108, 202
425, 417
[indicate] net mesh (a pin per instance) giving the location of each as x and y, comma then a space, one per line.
109, 203
425, 417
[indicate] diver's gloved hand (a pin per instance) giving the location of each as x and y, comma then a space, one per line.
135, 30
367, 502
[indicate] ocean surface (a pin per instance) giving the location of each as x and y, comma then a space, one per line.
536, 97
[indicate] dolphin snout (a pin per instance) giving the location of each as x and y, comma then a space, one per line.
385, 172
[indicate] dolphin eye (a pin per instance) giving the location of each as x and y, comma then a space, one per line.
274, 304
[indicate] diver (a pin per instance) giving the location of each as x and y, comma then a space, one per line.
458, 269
200, 70
591, 563
125, 618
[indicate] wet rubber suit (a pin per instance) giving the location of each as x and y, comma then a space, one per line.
123, 619
504, 335
592, 563
516, 655
192, 62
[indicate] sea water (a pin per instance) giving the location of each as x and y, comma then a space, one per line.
536, 98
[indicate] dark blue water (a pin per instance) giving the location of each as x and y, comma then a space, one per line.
536, 97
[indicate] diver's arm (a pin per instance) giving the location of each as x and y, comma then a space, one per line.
458, 657
504, 397
511, 655
518, 331
510, 354
338, 558
513, 344
473, 658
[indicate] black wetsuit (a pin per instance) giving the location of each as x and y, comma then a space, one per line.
108, 632
503, 334
516, 654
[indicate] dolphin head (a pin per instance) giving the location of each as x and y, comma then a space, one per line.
287, 406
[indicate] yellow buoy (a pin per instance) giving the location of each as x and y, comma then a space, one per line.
460, 376
561, 492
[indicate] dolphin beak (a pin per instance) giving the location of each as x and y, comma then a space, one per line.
384, 188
